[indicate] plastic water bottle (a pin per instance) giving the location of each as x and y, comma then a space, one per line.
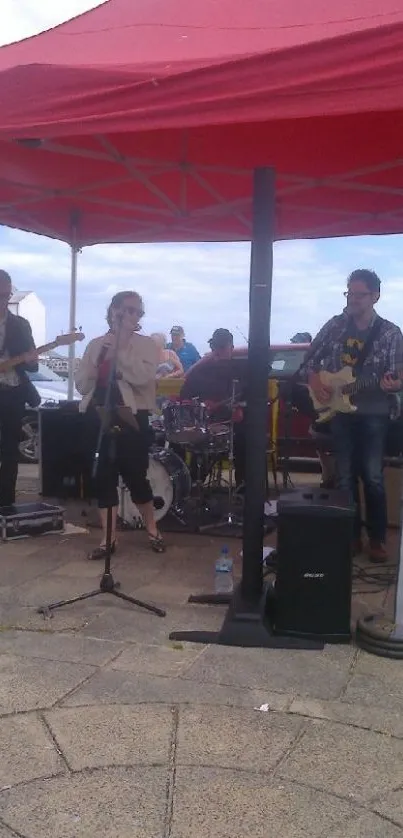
224, 580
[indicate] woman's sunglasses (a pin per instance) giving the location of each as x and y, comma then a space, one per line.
133, 310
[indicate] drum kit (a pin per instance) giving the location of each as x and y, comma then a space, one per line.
190, 447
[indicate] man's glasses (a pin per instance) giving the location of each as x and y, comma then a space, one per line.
356, 295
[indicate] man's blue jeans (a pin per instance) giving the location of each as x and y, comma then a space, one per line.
359, 446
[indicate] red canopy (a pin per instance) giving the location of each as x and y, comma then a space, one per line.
148, 117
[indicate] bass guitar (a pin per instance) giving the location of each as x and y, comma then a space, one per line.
32, 355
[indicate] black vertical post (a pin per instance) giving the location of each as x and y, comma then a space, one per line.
257, 389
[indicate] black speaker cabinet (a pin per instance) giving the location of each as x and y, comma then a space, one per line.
67, 442
312, 594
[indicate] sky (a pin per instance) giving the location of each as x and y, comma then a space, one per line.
199, 286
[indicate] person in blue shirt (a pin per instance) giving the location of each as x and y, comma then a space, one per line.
186, 352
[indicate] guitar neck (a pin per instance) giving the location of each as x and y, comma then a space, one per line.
366, 383
20, 359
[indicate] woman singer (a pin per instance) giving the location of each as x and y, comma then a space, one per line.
132, 387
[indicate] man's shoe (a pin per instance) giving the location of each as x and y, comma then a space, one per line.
377, 552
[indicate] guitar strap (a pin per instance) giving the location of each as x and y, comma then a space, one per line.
371, 337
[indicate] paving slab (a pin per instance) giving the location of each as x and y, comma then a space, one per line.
308, 673
376, 681
356, 764
52, 588
219, 737
88, 573
71, 617
367, 826
235, 804
97, 737
17, 569
73, 648
135, 625
129, 803
168, 660
112, 687
6, 833
392, 806
27, 751
30, 684
374, 718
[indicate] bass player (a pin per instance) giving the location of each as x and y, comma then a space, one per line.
362, 340
15, 388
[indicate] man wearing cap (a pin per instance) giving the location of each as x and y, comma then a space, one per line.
186, 352
211, 380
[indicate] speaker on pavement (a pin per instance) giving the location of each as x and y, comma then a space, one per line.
66, 449
312, 593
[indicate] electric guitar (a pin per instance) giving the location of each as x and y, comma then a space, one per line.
343, 385
61, 340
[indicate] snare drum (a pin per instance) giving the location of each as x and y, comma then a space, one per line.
218, 439
185, 422
170, 484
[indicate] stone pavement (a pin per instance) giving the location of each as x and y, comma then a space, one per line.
108, 729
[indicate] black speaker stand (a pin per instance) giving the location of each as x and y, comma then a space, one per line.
246, 625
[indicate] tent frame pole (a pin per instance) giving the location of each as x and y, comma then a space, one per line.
247, 623
74, 250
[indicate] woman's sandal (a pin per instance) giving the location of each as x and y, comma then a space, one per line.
156, 542
99, 553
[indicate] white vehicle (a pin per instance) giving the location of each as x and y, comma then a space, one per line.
52, 389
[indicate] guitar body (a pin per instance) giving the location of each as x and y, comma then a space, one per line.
339, 402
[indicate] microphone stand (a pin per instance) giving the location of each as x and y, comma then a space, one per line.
108, 432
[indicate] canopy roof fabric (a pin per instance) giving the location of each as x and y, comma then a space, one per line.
143, 120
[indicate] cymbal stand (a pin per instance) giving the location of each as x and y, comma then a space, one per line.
230, 520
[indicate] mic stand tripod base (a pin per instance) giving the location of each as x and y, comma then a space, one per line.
380, 636
107, 584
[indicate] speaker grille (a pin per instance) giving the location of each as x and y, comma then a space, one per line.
314, 577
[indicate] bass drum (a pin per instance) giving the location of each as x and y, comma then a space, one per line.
170, 484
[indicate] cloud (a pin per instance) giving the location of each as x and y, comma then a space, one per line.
23, 18
202, 286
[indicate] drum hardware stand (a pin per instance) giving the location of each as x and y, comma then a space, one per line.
285, 460
230, 520
108, 431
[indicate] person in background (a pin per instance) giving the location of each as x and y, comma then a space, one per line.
302, 337
211, 380
15, 388
133, 387
186, 352
169, 365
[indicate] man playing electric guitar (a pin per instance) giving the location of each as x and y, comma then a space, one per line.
373, 348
